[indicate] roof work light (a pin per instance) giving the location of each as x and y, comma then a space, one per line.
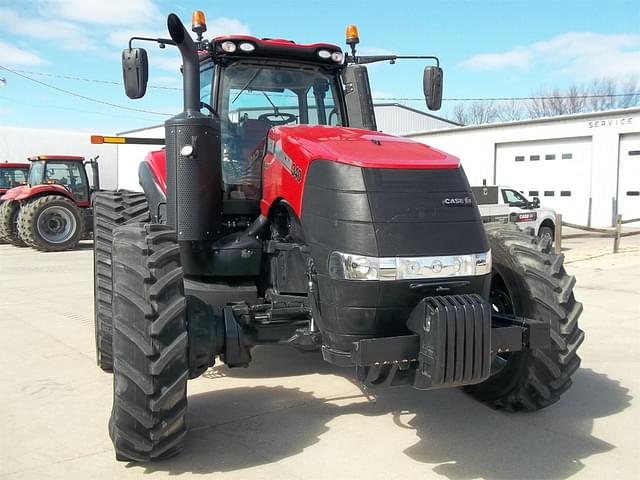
198, 23
352, 38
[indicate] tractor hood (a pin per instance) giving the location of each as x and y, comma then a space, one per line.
12, 193
26, 191
361, 148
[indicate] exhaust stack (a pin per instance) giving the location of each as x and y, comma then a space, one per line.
193, 154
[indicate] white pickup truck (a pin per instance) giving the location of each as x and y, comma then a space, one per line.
508, 205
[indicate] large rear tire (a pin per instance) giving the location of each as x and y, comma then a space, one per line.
529, 280
51, 223
150, 368
110, 210
9, 211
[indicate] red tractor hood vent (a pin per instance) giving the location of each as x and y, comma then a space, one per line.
360, 148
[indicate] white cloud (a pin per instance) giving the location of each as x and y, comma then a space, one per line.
11, 55
518, 57
106, 12
68, 35
584, 54
226, 26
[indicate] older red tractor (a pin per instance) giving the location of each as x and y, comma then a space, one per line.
11, 175
52, 211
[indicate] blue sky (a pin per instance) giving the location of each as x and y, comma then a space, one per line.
487, 49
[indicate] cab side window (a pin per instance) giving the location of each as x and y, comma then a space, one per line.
69, 175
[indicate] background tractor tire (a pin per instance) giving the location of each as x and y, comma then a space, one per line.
529, 280
9, 211
150, 363
110, 210
51, 223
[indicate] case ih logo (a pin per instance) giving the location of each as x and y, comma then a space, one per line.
457, 202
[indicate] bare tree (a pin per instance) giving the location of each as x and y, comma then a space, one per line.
511, 110
600, 95
475, 113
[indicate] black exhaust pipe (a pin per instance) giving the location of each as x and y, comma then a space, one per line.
193, 156
190, 63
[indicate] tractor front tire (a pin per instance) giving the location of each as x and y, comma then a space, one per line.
150, 363
9, 211
110, 210
529, 280
51, 223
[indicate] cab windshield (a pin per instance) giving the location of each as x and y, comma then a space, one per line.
12, 177
36, 172
255, 96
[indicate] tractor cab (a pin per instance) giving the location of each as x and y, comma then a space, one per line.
250, 92
12, 175
65, 171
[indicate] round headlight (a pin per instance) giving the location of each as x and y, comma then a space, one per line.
325, 54
247, 47
337, 57
228, 46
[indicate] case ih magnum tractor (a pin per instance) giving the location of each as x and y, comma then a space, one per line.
11, 175
52, 212
278, 215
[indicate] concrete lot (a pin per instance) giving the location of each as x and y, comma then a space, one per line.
292, 416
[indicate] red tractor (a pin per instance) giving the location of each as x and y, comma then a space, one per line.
11, 175
52, 212
279, 215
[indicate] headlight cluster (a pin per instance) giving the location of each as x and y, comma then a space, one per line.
345, 266
335, 56
230, 47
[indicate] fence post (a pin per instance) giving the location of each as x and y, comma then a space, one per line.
557, 234
616, 239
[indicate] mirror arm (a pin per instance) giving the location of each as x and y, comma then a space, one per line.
390, 58
162, 42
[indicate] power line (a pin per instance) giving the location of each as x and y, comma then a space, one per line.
491, 99
22, 74
90, 80
84, 97
453, 99
60, 107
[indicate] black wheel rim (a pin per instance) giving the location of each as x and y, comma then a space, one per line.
501, 302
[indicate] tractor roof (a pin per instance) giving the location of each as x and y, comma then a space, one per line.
56, 157
276, 48
14, 165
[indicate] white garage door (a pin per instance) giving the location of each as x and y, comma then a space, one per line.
629, 177
556, 171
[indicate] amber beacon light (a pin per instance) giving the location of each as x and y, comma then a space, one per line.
198, 23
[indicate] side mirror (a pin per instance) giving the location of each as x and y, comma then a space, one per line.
135, 72
536, 202
432, 86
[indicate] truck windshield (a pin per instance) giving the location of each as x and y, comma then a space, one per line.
256, 96
514, 199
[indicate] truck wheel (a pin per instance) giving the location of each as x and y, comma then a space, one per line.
529, 280
546, 231
51, 223
110, 210
150, 366
9, 211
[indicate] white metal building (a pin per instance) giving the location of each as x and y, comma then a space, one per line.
586, 166
17, 144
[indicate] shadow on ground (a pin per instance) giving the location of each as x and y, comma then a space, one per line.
459, 438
